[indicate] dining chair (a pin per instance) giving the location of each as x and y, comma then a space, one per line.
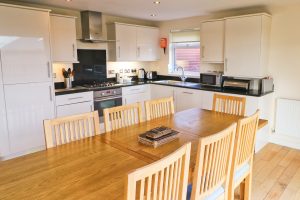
71, 128
165, 179
243, 153
229, 104
122, 116
213, 164
159, 107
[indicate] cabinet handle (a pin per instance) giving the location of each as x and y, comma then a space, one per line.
50, 93
139, 51
75, 98
203, 48
48, 69
187, 93
119, 49
91, 108
225, 65
73, 46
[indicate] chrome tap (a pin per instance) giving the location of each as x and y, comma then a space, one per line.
182, 76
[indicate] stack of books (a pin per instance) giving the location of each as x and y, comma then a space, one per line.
158, 136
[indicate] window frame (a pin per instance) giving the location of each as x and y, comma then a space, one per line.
172, 62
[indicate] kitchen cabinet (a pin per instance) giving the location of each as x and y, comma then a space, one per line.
73, 104
147, 43
212, 41
161, 91
133, 42
25, 50
4, 142
187, 99
27, 106
207, 100
27, 82
246, 45
134, 94
63, 38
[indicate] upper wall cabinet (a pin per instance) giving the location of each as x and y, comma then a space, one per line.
133, 43
246, 45
147, 43
212, 41
63, 39
24, 45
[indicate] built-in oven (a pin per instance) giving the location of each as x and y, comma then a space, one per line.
107, 99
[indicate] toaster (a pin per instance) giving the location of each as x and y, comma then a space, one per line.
152, 75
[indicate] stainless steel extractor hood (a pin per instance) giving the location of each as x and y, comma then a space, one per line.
91, 23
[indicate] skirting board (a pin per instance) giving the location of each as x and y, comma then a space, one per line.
284, 140
33, 150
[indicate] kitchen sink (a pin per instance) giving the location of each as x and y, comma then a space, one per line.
179, 83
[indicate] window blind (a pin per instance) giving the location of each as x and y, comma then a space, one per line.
185, 36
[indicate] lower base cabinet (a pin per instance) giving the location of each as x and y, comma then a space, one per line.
27, 105
187, 99
73, 104
134, 94
4, 138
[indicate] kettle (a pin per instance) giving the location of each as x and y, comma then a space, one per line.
141, 74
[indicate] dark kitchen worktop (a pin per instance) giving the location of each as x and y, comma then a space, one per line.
196, 86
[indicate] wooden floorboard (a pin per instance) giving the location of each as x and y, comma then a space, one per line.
276, 174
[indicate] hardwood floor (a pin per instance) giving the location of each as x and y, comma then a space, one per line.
276, 174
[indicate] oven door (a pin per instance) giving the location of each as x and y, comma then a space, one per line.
106, 102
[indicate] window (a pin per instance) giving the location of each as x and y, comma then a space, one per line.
185, 51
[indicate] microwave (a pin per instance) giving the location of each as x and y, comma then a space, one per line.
211, 79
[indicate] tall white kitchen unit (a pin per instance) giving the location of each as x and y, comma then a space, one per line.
27, 78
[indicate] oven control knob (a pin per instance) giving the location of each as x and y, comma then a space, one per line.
102, 94
115, 92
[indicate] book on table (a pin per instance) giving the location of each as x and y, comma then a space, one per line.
158, 136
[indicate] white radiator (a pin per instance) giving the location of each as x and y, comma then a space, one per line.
288, 118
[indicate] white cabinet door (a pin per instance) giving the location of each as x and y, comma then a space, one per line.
207, 100
27, 106
212, 41
136, 94
126, 42
147, 43
161, 91
63, 39
74, 109
187, 99
245, 46
4, 142
25, 51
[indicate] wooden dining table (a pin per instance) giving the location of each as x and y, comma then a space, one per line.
96, 168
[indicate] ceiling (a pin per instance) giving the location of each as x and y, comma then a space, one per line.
166, 10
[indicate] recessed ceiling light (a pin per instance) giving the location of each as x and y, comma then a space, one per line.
68, 0
153, 15
156, 2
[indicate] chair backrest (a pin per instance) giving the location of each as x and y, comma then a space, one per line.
213, 163
164, 179
229, 104
71, 128
159, 107
122, 116
245, 141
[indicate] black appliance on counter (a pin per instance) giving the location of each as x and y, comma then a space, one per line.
91, 67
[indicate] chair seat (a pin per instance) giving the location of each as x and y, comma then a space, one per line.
219, 191
241, 171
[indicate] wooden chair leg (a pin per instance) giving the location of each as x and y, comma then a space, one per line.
248, 187
242, 190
